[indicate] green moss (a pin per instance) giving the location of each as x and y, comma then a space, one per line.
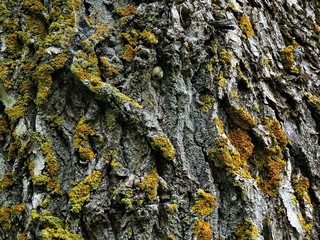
206, 103
202, 230
163, 145
247, 231
246, 26
241, 117
150, 185
204, 204
80, 194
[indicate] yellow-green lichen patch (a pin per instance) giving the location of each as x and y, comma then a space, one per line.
269, 162
86, 153
206, 103
14, 113
52, 227
132, 37
301, 186
82, 133
224, 158
242, 142
163, 145
85, 67
173, 208
9, 215
225, 58
80, 194
171, 236
287, 55
220, 124
22, 236
110, 69
247, 231
150, 185
51, 168
276, 133
307, 227
34, 6
3, 127
221, 79
246, 26
7, 181
204, 204
202, 230
241, 117
122, 97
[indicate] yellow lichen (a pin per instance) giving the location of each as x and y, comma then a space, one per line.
7, 181
163, 145
149, 36
128, 53
86, 153
80, 194
206, 103
82, 133
301, 186
204, 204
220, 124
246, 26
126, 11
224, 158
247, 231
173, 208
10, 215
202, 230
221, 79
288, 55
307, 227
276, 133
14, 113
150, 185
241, 117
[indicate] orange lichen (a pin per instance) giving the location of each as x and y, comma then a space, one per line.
204, 204
202, 230
131, 37
7, 180
241, 117
86, 153
111, 69
246, 26
149, 36
150, 185
247, 231
224, 158
242, 142
129, 52
270, 161
277, 134
301, 186
126, 11
163, 145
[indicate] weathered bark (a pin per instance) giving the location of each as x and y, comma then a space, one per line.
97, 144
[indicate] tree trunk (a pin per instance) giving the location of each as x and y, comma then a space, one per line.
165, 119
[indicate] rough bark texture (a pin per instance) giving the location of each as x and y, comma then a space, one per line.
97, 144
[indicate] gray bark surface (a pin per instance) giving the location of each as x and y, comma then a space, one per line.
194, 119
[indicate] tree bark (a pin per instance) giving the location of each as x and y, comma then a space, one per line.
166, 119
